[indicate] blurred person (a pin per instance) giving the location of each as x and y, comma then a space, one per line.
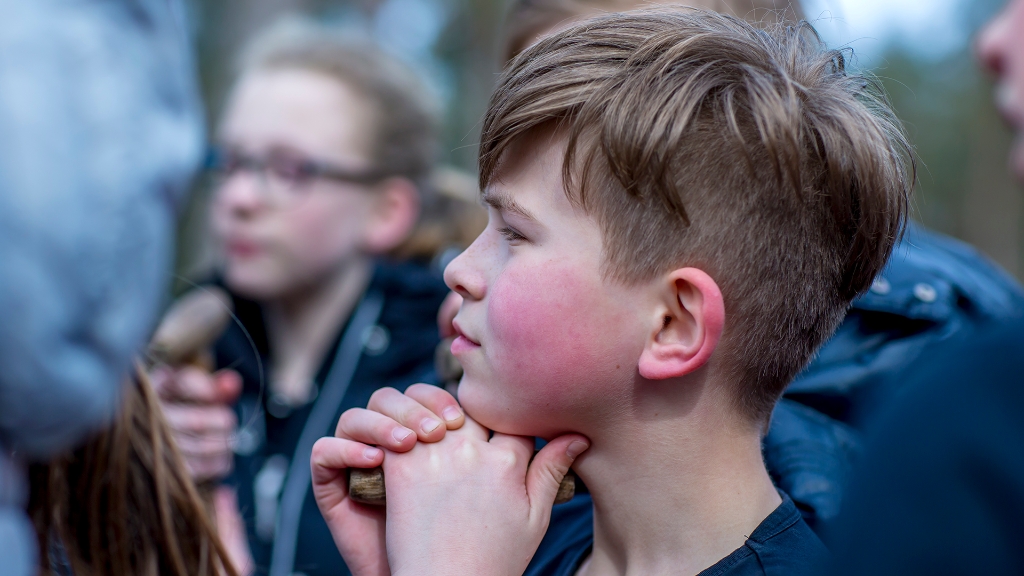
100, 130
941, 488
326, 154
933, 288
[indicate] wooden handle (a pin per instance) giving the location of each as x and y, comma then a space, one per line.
366, 486
190, 326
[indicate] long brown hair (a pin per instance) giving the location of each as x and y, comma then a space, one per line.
124, 504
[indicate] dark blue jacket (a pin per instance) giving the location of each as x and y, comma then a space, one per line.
933, 289
941, 487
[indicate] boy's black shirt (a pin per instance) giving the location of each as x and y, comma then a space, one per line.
782, 545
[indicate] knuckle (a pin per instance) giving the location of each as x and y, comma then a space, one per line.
320, 450
383, 427
420, 390
380, 396
507, 461
347, 422
227, 418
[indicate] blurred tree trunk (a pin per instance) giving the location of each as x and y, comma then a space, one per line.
993, 208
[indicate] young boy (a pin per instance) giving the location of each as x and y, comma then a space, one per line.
815, 436
681, 208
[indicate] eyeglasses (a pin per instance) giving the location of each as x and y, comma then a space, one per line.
285, 176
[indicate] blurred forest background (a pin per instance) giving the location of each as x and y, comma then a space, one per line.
964, 186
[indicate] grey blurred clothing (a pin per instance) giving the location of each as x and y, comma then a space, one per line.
100, 130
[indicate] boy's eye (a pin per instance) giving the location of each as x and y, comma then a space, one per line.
511, 234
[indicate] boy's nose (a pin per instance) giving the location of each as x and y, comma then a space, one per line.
463, 276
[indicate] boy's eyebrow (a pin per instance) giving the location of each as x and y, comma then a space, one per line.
504, 202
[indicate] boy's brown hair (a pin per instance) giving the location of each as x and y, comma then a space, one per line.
527, 19
696, 139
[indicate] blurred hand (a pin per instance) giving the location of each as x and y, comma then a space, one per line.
446, 314
197, 405
395, 421
231, 529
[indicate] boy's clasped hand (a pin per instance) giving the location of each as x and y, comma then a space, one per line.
461, 500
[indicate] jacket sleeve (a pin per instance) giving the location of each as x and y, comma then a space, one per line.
100, 130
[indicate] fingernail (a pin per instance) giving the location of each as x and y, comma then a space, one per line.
576, 448
451, 413
429, 425
371, 453
400, 434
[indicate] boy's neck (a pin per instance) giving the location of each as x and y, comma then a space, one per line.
677, 483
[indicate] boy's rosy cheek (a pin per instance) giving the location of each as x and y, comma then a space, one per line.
543, 330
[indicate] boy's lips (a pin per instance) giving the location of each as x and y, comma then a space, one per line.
462, 343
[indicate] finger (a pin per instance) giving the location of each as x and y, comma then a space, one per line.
191, 384
446, 314
203, 469
229, 385
408, 412
369, 427
548, 468
330, 456
160, 378
205, 446
185, 419
438, 401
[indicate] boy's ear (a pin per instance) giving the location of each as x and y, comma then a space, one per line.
396, 210
688, 327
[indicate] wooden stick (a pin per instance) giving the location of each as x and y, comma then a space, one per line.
366, 486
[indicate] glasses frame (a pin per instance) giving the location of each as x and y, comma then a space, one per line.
227, 162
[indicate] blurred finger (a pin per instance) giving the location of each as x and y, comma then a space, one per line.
198, 420
369, 427
438, 401
206, 446
408, 412
204, 469
229, 385
190, 384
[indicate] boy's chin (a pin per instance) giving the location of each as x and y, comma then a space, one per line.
493, 412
